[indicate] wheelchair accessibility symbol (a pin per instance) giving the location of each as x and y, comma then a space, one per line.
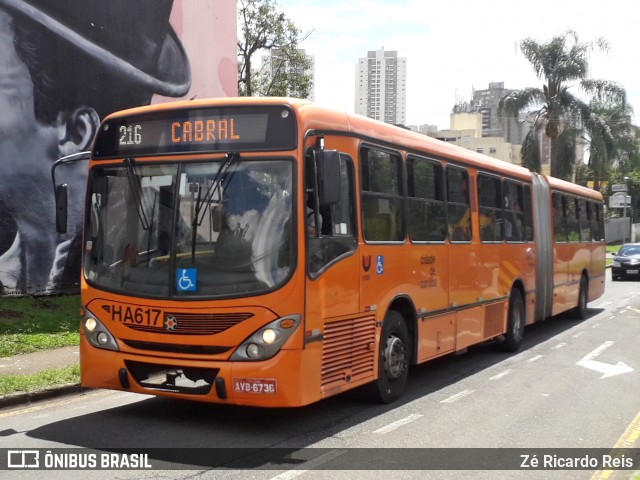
186, 280
380, 264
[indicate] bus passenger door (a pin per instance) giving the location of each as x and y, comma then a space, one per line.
332, 282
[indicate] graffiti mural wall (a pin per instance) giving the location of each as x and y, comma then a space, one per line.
65, 65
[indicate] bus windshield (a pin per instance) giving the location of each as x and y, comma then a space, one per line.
206, 229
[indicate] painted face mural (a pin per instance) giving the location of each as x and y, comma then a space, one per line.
64, 66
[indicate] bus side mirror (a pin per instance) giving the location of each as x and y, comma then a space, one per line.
329, 177
61, 208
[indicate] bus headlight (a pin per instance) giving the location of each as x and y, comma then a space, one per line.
269, 336
267, 341
96, 333
253, 350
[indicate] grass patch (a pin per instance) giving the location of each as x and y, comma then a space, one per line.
613, 248
30, 324
39, 381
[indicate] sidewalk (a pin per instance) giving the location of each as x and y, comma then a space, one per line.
32, 363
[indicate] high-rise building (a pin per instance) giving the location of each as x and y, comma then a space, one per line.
381, 86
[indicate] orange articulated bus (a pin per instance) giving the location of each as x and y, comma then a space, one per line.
271, 252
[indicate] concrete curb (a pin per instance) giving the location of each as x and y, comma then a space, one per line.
22, 398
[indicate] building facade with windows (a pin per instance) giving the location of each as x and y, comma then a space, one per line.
381, 86
467, 131
494, 124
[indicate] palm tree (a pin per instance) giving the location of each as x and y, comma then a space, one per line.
611, 140
562, 63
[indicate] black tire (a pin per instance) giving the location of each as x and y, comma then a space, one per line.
515, 323
580, 312
394, 355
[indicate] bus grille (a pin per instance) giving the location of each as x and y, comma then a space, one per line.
192, 323
177, 348
348, 352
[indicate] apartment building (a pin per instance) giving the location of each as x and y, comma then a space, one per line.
381, 86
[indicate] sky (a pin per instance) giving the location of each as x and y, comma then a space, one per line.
453, 47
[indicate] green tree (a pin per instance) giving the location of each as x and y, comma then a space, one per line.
264, 29
562, 63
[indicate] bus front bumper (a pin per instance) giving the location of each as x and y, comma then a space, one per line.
269, 383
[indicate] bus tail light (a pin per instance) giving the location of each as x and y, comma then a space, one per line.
96, 333
267, 341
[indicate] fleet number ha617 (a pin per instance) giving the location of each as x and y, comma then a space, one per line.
136, 315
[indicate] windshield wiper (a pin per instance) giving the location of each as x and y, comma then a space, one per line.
201, 203
136, 189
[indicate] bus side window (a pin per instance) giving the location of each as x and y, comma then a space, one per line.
426, 209
597, 221
527, 214
382, 196
573, 225
490, 202
559, 217
584, 217
514, 213
458, 207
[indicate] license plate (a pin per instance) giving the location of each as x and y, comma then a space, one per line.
255, 385
632, 272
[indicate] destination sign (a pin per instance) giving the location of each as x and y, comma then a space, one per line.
197, 130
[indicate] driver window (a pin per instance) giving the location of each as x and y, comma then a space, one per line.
331, 231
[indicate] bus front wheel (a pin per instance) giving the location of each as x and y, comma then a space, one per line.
393, 360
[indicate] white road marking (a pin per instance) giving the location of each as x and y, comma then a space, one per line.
457, 396
397, 424
501, 375
607, 369
312, 464
534, 359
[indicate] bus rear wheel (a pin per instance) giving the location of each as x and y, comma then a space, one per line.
393, 360
580, 312
515, 323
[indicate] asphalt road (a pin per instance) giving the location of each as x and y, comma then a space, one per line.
574, 385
